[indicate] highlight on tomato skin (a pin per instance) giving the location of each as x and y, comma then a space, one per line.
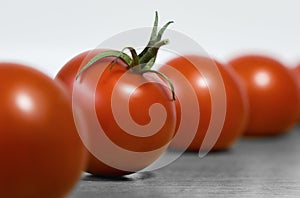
272, 91
43, 155
236, 109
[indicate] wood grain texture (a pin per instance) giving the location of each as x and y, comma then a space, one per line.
265, 167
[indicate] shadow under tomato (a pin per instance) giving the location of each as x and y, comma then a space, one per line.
131, 177
196, 152
265, 138
221, 151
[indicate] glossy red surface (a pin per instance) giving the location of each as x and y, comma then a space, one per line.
273, 94
40, 150
121, 103
235, 101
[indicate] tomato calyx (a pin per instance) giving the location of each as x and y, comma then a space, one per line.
138, 63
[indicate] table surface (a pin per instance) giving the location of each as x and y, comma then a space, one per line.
261, 167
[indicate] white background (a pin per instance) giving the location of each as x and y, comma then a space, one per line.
46, 34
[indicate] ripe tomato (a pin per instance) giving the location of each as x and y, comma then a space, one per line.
236, 101
41, 151
273, 94
107, 86
111, 98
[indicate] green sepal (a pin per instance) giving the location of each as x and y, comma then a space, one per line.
165, 78
109, 53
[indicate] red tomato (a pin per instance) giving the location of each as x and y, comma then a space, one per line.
236, 101
41, 151
273, 94
140, 98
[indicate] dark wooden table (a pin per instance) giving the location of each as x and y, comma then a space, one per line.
268, 167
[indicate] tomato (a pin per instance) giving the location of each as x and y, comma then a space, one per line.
41, 152
273, 94
140, 99
125, 115
236, 101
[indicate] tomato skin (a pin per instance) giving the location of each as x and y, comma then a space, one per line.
41, 151
237, 105
296, 72
139, 103
237, 110
272, 92
68, 72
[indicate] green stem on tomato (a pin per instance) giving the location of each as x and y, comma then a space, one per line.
152, 51
135, 57
155, 37
138, 63
152, 37
109, 53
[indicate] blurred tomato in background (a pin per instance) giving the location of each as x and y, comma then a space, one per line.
236, 101
273, 94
